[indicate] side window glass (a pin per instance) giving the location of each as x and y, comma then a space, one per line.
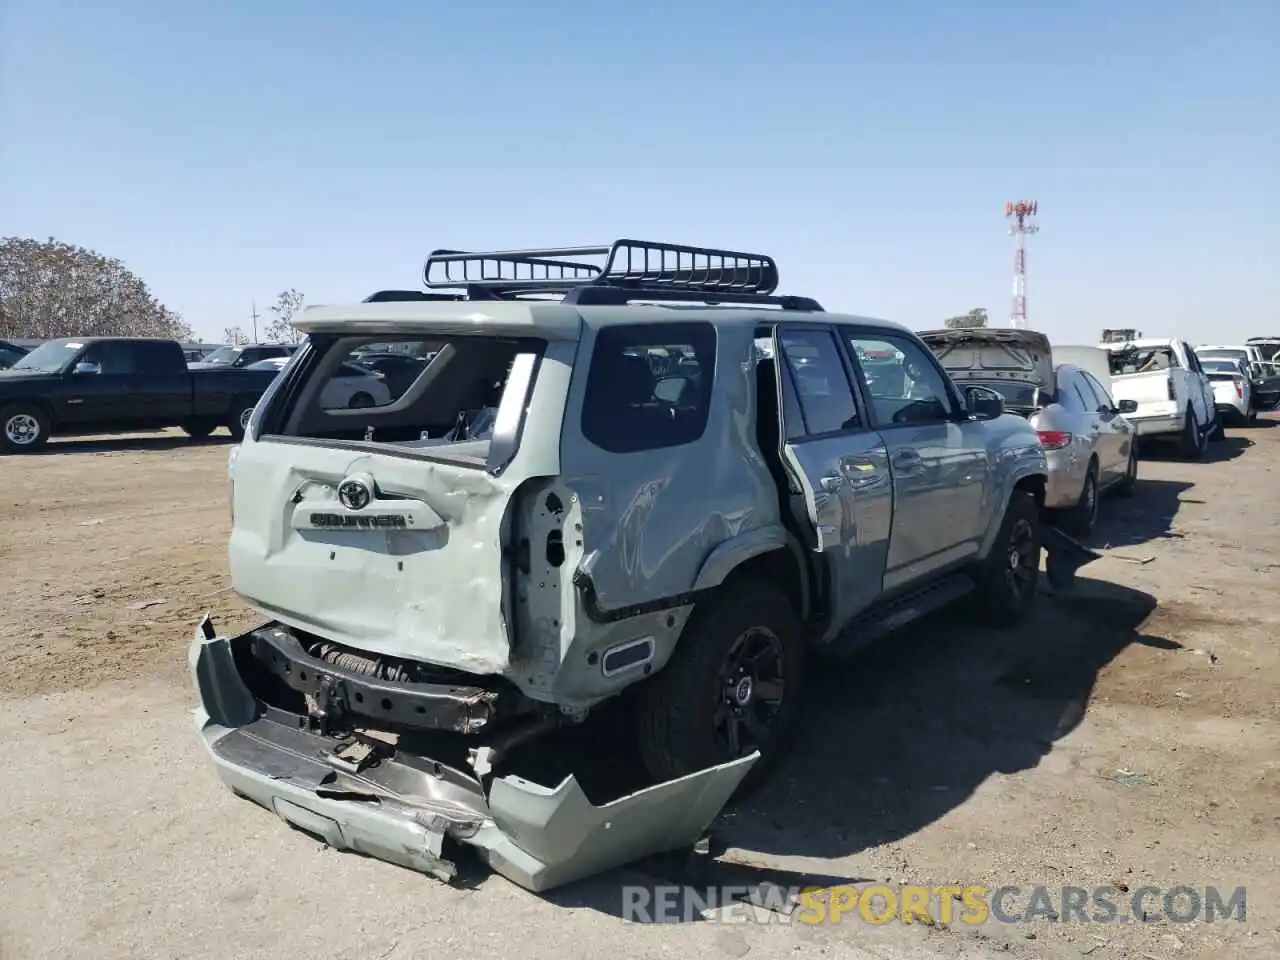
155, 359
904, 384
1084, 394
1104, 397
649, 386
113, 359
822, 386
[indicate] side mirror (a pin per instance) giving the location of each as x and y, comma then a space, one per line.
1127, 406
983, 402
86, 367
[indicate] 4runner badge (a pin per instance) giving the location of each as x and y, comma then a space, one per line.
354, 494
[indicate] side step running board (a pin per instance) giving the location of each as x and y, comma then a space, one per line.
883, 619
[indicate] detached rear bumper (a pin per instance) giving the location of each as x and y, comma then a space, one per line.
402, 807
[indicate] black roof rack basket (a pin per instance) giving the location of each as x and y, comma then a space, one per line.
625, 263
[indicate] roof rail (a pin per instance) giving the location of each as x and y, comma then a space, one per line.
630, 270
390, 296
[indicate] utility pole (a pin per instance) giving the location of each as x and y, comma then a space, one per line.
254, 315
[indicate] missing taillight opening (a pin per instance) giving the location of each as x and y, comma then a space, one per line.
1054, 439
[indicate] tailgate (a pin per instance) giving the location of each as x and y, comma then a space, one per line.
1150, 387
414, 571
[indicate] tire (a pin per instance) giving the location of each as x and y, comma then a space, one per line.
24, 428
199, 429
1193, 442
685, 713
1081, 518
1125, 487
360, 401
1217, 429
239, 417
1006, 592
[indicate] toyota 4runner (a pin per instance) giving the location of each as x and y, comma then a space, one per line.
648, 481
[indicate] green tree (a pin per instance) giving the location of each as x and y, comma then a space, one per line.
50, 289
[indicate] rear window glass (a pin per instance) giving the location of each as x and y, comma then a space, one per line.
649, 385
443, 397
1146, 360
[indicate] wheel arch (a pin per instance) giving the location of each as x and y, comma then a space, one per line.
769, 553
37, 404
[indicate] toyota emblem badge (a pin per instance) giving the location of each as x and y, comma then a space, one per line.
354, 494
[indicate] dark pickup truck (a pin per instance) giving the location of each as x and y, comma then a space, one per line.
118, 384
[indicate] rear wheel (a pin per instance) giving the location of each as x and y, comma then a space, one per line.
1081, 518
732, 686
199, 429
1007, 579
238, 422
1194, 441
24, 428
1217, 429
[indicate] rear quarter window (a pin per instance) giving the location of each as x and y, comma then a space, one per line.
649, 386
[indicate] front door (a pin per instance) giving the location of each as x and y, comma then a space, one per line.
937, 462
838, 462
1114, 433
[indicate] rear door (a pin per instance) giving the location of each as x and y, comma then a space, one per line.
937, 459
839, 463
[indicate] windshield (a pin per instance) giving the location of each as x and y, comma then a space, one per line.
1220, 366
49, 357
1222, 354
224, 355
1015, 393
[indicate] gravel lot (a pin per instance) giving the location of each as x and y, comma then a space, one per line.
1129, 735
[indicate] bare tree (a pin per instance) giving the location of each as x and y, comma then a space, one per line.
50, 289
973, 319
234, 336
281, 328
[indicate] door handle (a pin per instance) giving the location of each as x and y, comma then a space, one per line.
832, 483
906, 458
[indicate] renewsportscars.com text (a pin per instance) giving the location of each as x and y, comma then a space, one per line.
947, 904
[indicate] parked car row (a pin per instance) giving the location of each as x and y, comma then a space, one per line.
1091, 404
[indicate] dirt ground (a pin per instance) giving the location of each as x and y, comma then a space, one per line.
1130, 735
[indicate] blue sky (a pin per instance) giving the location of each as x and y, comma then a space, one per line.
228, 150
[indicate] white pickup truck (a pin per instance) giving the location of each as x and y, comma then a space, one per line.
1174, 396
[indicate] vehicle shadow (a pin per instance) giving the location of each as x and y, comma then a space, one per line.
132, 442
899, 739
1219, 451
1145, 516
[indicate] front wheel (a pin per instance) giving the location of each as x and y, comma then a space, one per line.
23, 428
1006, 587
1125, 487
732, 686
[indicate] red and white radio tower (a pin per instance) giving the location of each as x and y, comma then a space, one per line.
1021, 216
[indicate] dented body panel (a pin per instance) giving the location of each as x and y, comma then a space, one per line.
406, 809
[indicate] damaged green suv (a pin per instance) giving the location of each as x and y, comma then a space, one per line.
628, 474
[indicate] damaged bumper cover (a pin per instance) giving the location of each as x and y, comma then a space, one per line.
403, 807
